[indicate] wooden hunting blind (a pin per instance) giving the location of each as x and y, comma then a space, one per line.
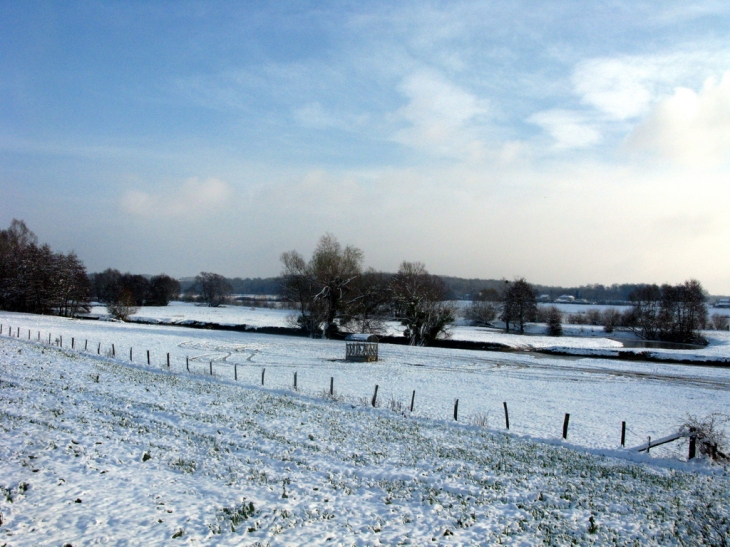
361, 347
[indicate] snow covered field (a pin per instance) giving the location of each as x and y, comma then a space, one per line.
179, 312
152, 453
582, 339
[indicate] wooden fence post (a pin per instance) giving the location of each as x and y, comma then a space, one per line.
332, 386
114, 351
235, 371
60, 339
28, 334
648, 445
375, 395
39, 335
211, 368
565, 426
413, 399
456, 410
49, 338
295, 381
73, 341
506, 415
187, 363
98, 350
168, 361
148, 357
263, 373
623, 433
86, 345
130, 354
692, 446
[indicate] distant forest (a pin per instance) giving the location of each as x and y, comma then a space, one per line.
459, 288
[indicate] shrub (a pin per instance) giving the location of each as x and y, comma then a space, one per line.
481, 313
719, 321
610, 319
710, 435
554, 321
122, 306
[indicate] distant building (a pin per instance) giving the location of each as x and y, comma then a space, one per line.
543, 298
565, 299
722, 303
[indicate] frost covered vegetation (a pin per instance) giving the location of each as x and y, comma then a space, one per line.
97, 450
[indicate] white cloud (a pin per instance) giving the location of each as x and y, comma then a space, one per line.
569, 129
193, 197
626, 87
688, 127
621, 88
442, 117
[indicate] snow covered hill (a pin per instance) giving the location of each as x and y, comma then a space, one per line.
99, 450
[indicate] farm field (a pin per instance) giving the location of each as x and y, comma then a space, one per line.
152, 452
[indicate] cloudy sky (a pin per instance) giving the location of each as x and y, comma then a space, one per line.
569, 142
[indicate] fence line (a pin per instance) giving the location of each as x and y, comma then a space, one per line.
646, 447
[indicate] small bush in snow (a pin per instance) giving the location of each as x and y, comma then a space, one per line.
554, 321
610, 318
710, 434
186, 466
122, 307
480, 419
396, 405
231, 517
719, 321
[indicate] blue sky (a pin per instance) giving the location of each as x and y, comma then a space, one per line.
567, 142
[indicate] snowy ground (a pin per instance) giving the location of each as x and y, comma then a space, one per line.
579, 339
180, 312
98, 450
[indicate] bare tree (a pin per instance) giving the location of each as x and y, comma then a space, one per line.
683, 312
646, 307
418, 299
105, 285
72, 286
298, 286
136, 285
520, 304
163, 289
334, 270
214, 289
368, 302
673, 313
481, 312
321, 287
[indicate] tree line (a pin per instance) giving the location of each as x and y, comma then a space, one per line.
124, 293
34, 279
333, 293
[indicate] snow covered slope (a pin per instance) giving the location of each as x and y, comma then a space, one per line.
99, 450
